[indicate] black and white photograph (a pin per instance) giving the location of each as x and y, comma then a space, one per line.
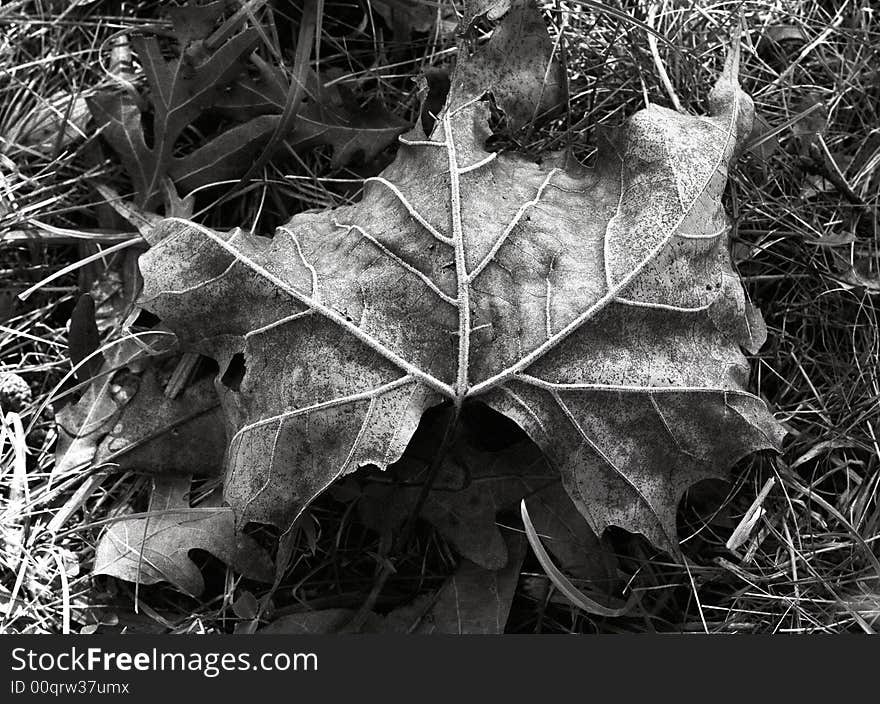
373, 318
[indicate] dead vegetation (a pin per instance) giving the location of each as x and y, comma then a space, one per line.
787, 547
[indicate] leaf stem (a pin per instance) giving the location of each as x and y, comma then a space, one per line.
461, 273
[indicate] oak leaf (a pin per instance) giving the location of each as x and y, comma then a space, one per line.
155, 548
474, 600
597, 310
329, 114
180, 90
321, 622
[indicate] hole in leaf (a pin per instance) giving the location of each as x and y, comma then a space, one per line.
438, 89
146, 319
234, 373
147, 129
482, 24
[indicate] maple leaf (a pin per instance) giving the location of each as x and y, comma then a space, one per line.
156, 548
517, 66
597, 310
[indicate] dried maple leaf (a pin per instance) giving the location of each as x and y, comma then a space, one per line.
517, 66
155, 548
599, 311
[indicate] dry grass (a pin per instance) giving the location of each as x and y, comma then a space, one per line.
806, 241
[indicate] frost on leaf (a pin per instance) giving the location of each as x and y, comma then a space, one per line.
600, 312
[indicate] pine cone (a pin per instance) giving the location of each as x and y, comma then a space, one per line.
15, 393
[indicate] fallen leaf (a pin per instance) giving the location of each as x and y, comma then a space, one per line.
597, 310
835, 239
492, 9
778, 43
576, 548
125, 418
864, 274
408, 17
83, 339
180, 90
195, 20
156, 434
156, 548
517, 65
329, 115
815, 120
81, 426
142, 219
60, 120
471, 488
246, 606
474, 600
345, 128
312, 622
762, 142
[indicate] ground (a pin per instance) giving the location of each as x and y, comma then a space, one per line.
803, 197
